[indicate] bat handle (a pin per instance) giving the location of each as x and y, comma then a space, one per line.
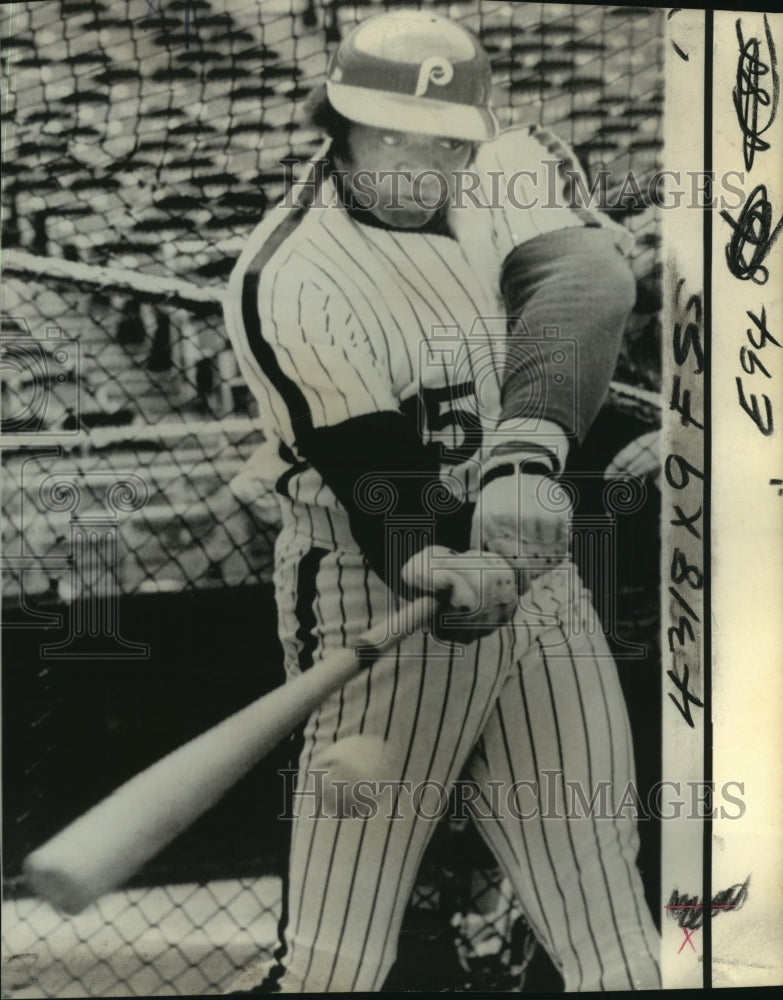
404, 621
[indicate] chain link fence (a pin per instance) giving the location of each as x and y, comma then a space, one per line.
142, 141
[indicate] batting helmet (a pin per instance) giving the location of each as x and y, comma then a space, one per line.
415, 68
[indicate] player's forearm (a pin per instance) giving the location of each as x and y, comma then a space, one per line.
382, 474
571, 287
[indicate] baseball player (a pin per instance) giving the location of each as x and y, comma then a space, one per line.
369, 317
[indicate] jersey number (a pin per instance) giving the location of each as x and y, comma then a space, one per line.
438, 409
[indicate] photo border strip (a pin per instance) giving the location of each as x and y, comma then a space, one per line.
746, 506
721, 570
685, 491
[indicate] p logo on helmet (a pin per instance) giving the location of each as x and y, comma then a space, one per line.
415, 70
436, 69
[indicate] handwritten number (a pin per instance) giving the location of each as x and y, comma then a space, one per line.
679, 631
688, 697
753, 236
761, 324
681, 570
765, 426
683, 342
684, 469
751, 358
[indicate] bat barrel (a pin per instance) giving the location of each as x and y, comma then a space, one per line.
112, 841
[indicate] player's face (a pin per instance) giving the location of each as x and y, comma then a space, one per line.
404, 178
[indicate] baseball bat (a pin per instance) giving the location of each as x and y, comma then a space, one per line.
105, 846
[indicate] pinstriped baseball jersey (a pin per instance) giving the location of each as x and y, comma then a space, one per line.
359, 342
332, 319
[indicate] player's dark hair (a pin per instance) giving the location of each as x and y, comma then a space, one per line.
323, 116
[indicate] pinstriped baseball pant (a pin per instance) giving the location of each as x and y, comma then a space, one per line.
537, 703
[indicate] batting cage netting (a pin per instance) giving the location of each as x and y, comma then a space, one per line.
142, 142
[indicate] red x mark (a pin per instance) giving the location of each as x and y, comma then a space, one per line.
688, 935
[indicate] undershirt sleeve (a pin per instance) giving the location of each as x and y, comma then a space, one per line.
384, 476
573, 287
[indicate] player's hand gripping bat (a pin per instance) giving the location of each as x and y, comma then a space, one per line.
106, 845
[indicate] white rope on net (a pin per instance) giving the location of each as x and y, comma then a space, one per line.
173, 290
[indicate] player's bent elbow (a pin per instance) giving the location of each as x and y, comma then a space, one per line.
578, 264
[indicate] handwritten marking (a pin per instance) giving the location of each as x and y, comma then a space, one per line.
19, 971
687, 522
761, 324
681, 683
688, 935
688, 352
757, 87
677, 49
152, 9
753, 228
689, 338
683, 603
777, 482
688, 912
750, 364
684, 469
683, 405
748, 94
